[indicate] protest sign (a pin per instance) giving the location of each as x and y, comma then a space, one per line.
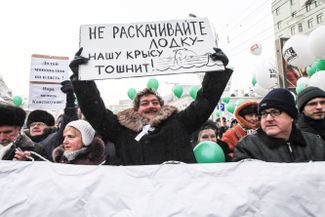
143, 49
46, 74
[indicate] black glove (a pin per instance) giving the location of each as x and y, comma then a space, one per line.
74, 65
219, 55
67, 87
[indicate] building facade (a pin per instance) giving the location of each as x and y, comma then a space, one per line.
296, 17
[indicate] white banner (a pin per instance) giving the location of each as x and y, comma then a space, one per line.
46, 74
249, 188
142, 49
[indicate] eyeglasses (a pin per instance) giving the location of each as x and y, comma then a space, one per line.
315, 103
273, 113
37, 124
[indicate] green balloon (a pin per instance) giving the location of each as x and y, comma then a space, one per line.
230, 107
320, 65
193, 91
153, 84
208, 152
132, 93
226, 99
300, 88
178, 91
254, 80
311, 69
239, 102
17, 100
218, 113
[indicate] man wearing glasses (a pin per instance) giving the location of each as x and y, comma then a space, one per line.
311, 105
278, 139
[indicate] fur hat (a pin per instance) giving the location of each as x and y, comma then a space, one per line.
308, 94
279, 98
11, 115
40, 116
86, 130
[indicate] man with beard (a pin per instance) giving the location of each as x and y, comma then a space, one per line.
13, 144
150, 132
279, 140
311, 105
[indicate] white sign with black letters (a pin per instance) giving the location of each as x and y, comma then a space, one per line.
46, 74
142, 49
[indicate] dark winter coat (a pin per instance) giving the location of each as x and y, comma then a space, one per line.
316, 127
53, 137
171, 138
25, 144
301, 147
94, 155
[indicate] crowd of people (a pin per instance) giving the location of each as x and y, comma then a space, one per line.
276, 129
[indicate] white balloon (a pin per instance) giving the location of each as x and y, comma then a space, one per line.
267, 77
318, 80
316, 42
256, 49
260, 90
303, 80
297, 52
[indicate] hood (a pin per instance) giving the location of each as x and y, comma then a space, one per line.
132, 120
240, 119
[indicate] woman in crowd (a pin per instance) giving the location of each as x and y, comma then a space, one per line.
80, 145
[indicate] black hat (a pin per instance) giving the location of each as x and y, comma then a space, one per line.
11, 115
250, 109
308, 94
279, 98
40, 116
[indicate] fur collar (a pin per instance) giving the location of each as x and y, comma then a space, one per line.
132, 120
94, 152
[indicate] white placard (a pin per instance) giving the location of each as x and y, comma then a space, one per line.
142, 49
46, 96
46, 74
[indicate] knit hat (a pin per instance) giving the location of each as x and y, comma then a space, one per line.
11, 115
279, 98
86, 130
40, 116
308, 94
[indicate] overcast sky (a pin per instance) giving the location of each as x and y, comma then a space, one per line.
52, 28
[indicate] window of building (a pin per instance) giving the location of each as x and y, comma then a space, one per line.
277, 11
300, 28
278, 24
308, 7
310, 23
319, 18
293, 30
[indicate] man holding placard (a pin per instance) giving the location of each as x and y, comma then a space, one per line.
150, 132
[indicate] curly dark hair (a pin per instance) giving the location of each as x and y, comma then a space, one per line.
146, 92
